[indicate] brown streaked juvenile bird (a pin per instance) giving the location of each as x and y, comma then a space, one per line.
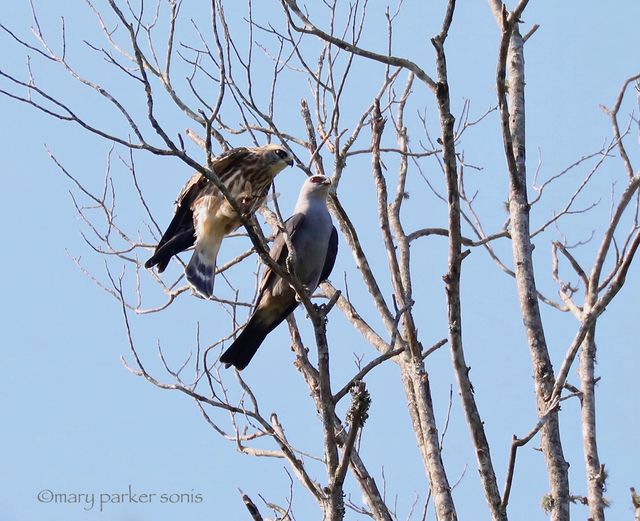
203, 215
315, 241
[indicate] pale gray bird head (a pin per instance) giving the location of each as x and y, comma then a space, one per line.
313, 191
274, 157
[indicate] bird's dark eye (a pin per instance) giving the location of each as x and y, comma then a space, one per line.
282, 154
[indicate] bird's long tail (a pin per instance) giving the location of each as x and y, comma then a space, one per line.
263, 321
201, 268
246, 345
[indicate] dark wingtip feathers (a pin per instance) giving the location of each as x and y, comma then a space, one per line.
158, 261
168, 249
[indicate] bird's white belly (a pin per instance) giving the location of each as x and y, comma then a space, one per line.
212, 219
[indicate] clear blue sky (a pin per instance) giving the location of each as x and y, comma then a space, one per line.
75, 421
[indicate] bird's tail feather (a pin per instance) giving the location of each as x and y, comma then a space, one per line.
201, 268
245, 346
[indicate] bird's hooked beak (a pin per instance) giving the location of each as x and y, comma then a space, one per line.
290, 162
320, 180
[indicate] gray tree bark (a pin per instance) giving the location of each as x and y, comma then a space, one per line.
513, 123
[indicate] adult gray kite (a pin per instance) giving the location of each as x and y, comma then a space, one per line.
203, 215
315, 242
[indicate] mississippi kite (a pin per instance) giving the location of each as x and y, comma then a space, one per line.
203, 215
315, 241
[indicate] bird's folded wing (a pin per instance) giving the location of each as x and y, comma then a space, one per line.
229, 159
183, 217
332, 252
279, 251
